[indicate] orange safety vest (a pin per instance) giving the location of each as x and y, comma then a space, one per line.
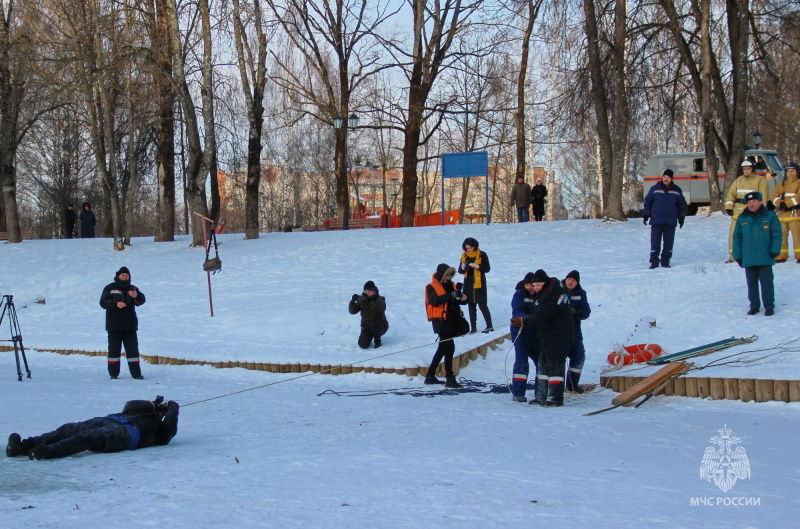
435, 312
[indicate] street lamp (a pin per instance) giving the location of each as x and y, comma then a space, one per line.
352, 124
757, 137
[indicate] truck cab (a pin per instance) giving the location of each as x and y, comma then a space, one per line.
691, 174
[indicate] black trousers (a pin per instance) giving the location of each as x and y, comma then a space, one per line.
100, 434
445, 350
116, 339
369, 333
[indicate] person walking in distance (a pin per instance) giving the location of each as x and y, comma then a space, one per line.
538, 194
120, 300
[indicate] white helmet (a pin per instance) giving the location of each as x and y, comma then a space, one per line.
747, 163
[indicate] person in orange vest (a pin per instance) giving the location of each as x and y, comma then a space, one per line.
442, 300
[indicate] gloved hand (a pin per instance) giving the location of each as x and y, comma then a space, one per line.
355, 297
159, 399
773, 255
517, 322
729, 212
739, 262
457, 295
680, 221
782, 206
645, 219
459, 286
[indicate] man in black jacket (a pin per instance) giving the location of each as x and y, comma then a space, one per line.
120, 300
552, 319
142, 423
372, 307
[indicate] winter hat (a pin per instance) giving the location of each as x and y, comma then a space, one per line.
668, 173
472, 242
793, 165
754, 195
123, 270
444, 270
540, 276
85, 205
369, 285
574, 275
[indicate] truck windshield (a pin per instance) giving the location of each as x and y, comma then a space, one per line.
774, 162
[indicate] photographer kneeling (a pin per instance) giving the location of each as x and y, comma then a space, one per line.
372, 307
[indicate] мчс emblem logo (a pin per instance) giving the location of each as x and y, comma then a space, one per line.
727, 463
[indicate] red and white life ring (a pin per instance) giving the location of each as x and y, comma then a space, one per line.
635, 354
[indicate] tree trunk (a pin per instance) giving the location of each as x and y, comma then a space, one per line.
165, 126
9, 102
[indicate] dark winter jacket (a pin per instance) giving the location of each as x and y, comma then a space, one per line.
552, 319
69, 220
153, 429
756, 236
664, 205
88, 222
522, 305
538, 193
475, 295
449, 325
580, 306
521, 195
373, 312
123, 319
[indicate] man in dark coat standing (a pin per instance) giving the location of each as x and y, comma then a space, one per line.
69, 221
521, 199
552, 319
142, 423
372, 307
120, 300
665, 208
88, 221
580, 312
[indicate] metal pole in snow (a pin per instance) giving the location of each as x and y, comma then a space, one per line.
208, 248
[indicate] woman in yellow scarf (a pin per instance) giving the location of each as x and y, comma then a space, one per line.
475, 265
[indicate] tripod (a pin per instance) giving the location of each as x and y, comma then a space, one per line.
16, 334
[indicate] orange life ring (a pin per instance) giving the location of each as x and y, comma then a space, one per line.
635, 354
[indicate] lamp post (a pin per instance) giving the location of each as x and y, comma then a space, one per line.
352, 124
757, 137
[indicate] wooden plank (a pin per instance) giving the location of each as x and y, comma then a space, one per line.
794, 391
691, 387
703, 387
717, 388
781, 390
747, 389
764, 390
26, 235
650, 383
731, 389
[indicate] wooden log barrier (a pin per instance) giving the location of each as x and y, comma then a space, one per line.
764, 390
747, 389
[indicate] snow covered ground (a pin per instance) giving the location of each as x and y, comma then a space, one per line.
285, 456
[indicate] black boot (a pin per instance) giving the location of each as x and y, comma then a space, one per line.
38, 452
555, 394
487, 316
452, 384
541, 392
573, 378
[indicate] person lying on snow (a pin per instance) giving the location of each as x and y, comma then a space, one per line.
141, 423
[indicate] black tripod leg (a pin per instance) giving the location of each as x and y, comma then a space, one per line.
24, 359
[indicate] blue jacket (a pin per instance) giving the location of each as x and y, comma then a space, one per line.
665, 205
580, 304
755, 236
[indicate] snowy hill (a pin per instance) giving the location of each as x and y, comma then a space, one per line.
290, 455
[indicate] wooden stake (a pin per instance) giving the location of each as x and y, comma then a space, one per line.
716, 388
747, 389
764, 390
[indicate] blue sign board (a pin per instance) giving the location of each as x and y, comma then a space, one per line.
466, 165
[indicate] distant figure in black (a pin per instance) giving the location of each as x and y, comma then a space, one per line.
475, 265
538, 193
69, 221
372, 307
120, 300
141, 424
88, 221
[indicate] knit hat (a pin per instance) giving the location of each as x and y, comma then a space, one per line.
754, 195
444, 270
123, 270
540, 276
669, 173
472, 242
369, 285
574, 275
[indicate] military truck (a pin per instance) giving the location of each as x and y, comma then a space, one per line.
690, 173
